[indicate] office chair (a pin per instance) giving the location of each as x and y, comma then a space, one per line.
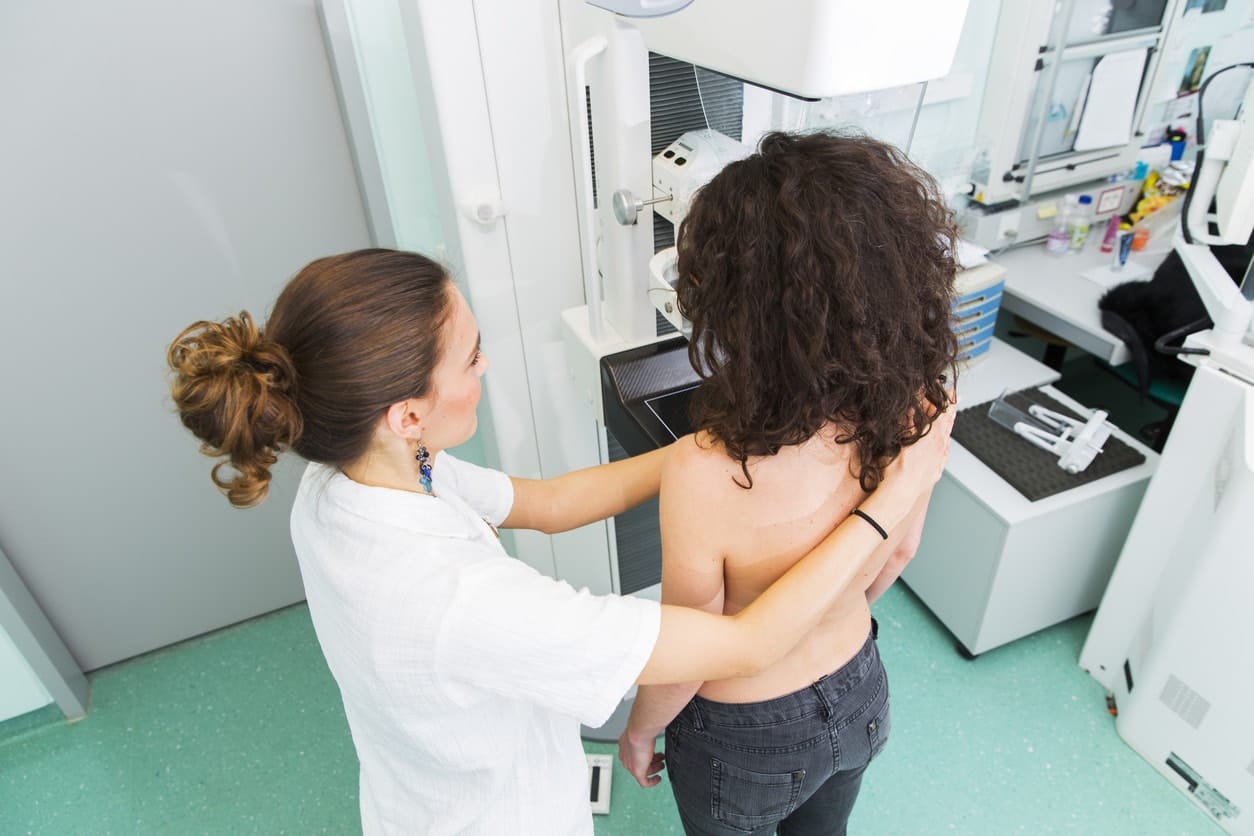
1165, 393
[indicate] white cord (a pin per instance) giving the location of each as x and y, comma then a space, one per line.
696, 78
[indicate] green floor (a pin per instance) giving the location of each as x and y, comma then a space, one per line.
242, 732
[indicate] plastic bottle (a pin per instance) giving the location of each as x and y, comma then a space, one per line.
1112, 231
1059, 239
1080, 222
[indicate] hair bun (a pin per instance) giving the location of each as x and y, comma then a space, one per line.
236, 391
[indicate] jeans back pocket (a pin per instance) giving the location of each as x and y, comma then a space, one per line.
748, 800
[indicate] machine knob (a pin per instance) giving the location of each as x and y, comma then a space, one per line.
627, 207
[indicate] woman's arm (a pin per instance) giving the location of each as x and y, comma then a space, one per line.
697, 645
902, 551
584, 496
692, 576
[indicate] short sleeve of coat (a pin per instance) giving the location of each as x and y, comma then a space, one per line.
513, 631
488, 492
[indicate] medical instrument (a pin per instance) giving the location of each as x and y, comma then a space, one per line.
1075, 442
498, 139
1012, 543
679, 170
689, 163
1162, 642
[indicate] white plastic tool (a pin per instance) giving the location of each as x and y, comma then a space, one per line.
1075, 442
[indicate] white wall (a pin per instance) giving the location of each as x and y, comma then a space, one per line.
406, 200
22, 691
161, 163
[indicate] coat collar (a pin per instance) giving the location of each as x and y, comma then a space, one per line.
433, 516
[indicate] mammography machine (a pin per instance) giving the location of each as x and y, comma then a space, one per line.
516, 141
495, 135
1170, 639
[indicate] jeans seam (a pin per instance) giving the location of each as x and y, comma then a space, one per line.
717, 724
848, 719
715, 743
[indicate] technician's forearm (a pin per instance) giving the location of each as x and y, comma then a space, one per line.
584, 496
693, 644
697, 645
793, 605
903, 552
655, 706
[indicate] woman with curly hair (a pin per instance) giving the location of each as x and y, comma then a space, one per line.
817, 275
464, 673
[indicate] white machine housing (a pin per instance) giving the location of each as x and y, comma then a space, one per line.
1169, 639
470, 125
813, 48
686, 165
801, 47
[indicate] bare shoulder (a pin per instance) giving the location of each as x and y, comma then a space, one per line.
694, 514
698, 462
699, 487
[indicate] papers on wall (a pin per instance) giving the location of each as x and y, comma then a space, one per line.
1107, 118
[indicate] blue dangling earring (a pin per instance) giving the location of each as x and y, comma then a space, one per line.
424, 468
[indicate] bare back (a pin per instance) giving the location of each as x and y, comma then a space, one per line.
798, 496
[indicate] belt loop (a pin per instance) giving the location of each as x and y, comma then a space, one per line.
694, 712
824, 703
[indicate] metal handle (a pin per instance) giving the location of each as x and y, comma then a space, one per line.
627, 206
580, 58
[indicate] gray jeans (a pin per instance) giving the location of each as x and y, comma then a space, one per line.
793, 763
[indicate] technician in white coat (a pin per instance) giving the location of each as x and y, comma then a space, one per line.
464, 673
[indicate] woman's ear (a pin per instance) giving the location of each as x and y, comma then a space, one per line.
403, 418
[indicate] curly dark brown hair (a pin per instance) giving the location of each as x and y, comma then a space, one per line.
818, 277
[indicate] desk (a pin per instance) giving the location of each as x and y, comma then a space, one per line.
1049, 291
994, 566
1002, 369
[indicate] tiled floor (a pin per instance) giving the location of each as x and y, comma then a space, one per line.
242, 732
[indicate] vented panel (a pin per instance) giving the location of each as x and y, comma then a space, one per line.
1184, 701
592, 146
675, 102
663, 233
675, 107
639, 539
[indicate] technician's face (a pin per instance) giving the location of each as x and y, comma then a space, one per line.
451, 419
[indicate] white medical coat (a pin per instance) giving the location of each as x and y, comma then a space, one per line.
464, 672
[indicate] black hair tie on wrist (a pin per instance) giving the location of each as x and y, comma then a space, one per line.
864, 515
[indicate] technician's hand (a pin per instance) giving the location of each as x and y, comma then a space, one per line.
639, 758
913, 473
925, 459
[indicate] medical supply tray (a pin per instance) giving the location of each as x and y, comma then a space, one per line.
1028, 469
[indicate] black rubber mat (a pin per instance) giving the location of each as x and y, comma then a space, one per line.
1029, 469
